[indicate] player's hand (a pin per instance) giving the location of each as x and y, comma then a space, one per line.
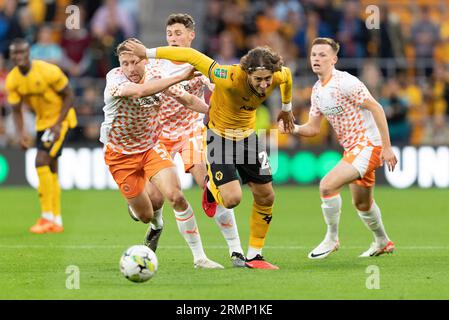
189, 73
389, 157
281, 127
56, 131
287, 119
135, 48
25, 141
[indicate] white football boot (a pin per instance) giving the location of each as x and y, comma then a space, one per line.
376, 249
206, 263
324, 249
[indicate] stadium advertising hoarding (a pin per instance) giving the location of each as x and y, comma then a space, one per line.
84, 168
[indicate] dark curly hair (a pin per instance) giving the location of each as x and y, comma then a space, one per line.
261, 58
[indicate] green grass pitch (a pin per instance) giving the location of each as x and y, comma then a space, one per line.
98, 230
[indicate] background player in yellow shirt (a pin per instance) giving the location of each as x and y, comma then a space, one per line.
232, 144
45, 89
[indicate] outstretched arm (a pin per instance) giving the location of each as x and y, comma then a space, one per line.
310, 129
194, 103
149, 88
200, 61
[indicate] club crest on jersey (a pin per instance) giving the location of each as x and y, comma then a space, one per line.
221, 73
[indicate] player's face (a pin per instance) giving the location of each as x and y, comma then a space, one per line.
132, 66
20, 54
261, 80
322, 58
179, 36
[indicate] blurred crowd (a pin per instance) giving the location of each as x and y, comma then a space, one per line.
404, 60
83, 48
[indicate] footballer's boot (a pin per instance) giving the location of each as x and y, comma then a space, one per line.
258, 262
42, 226
324, 249
238, 260
152, 238
376, 249
209, 204
206, 263
55, 228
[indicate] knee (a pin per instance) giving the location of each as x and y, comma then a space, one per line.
176, 198
362, 205
157, 202
232, 201
144, 215
326, 190
146, 218
266, 199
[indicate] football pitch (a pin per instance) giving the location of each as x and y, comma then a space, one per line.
98, 230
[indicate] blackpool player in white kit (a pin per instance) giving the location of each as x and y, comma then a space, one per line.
183, 130
361, 127
133, 96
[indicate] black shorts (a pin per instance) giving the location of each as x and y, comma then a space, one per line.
54, 149
247, 157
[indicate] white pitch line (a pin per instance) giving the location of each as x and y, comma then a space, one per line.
182, 247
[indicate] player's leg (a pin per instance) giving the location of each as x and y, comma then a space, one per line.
260, 220
127, 172
254, 168
154, 231
330, 186
224, 218
222, 186
56, 199
193, 156
166, 180
45, 191
369, 212
49, 190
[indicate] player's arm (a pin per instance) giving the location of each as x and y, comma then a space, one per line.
309, 129
286, 115
149, 88
193, 102
68, 98
14, 100
200, 61
381, 121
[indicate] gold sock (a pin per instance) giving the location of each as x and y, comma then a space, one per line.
259, 224
56, 201
45, 188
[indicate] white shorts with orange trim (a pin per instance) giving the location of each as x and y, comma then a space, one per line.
366, 159
190, 147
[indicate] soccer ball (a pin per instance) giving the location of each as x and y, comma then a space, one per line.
138, 263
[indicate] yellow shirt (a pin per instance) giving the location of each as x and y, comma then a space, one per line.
39, 89
233, 103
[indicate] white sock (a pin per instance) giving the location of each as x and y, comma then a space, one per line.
253, 252
48, 216
331, 208
157, 222
58, 220
189, 229
225, 220
373, 221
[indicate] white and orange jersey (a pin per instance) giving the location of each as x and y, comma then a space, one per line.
339, 101
132, 125
177, 120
